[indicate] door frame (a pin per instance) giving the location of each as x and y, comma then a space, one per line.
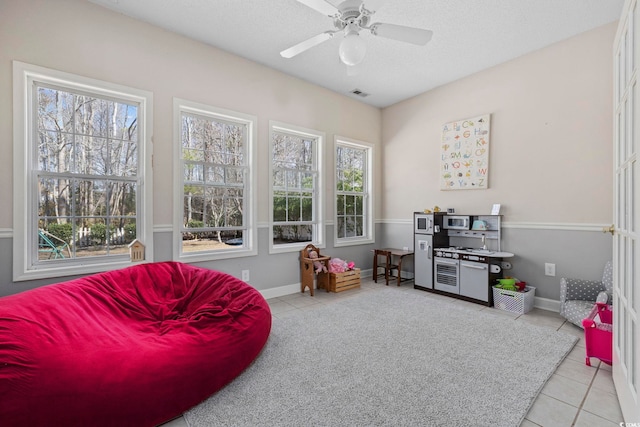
626, 240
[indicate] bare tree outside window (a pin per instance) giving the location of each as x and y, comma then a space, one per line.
354, 191
350, 191
294, 184
87, 174
214, 161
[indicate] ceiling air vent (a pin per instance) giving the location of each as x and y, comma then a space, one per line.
359, 93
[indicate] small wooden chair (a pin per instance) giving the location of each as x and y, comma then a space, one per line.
383, 259
307, 269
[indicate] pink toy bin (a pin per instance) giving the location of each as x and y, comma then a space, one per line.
598, 334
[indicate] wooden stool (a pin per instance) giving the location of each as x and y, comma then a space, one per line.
382, 259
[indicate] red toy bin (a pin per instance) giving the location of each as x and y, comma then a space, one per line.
598, 335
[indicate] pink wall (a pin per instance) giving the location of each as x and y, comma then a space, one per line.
551, 154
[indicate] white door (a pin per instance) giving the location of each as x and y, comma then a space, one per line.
626, 251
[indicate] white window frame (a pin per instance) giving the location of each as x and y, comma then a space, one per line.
25, 197
249, 246
318, 206
368, 226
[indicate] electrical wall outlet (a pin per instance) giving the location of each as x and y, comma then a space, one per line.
405, 248
549, 269
245, 275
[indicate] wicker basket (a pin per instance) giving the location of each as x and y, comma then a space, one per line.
514, 301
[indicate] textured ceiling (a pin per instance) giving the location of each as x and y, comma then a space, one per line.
469, 36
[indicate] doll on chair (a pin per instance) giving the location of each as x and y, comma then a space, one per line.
317, 265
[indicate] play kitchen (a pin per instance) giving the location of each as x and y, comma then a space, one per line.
458, 255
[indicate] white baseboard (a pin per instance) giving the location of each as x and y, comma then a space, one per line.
280, 291
547, 304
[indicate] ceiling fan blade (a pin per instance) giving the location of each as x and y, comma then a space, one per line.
321, 6
307, 44
399, 32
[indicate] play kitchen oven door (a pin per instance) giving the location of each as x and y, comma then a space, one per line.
446, 275
474, 279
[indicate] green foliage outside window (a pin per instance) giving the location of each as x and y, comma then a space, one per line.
350, 191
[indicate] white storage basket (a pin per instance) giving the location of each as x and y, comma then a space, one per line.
514, 301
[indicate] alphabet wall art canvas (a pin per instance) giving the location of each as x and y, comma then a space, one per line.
464, 160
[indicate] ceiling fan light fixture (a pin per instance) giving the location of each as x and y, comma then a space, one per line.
352, 49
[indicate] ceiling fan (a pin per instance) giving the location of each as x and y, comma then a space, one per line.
350, 17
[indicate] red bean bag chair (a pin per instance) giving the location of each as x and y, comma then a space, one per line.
131, 347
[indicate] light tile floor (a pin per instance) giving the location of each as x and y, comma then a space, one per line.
575, 395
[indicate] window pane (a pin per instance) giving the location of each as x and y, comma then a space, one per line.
340, 180
193, 155
92, 116
279, 207
80, 224
215, 174
49, 197
357, 181
359, 207
233, 214
307, 180
82, 172
215, 207
53, 241
350, 205
294, 185
278, 179
350, 226
351, 189
235, 175
218, 146
193, 172
293, 181
122, 196
90, 237
55, 110
359, 226
193, 204
307, 209
91, 157
91, 198
340, 205
123, 121
54, 151
55, 197
291, 234
341, 227
293, 208
211, 240
94, 137
123, 159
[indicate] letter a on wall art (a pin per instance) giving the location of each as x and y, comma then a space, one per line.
464, 159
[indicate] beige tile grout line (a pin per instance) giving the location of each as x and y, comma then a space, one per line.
585, 397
